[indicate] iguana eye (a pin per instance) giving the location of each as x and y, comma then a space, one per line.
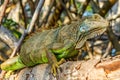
83, 28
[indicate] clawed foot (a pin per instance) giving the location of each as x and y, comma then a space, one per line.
55, 66
53, 61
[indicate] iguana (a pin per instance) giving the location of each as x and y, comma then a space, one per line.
62, 42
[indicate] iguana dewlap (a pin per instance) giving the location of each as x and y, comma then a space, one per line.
63, 42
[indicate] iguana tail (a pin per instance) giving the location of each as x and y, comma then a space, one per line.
12, 64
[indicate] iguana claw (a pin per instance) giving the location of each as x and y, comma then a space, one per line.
54, 69
56, 65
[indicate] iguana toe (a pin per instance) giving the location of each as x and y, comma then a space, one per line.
56, 65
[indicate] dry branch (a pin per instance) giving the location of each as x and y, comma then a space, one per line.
47, 13
2, 12
8, 37
83, 8
95, 6
35, 15
5, 51
32, 6
54, 16
66, 10
23, 13
73, 7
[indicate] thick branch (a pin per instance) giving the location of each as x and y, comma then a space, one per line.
7, 37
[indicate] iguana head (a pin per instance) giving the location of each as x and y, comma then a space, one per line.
91, 27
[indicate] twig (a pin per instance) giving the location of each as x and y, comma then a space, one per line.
83, 8
23, 13
73, 7
7, 37
94, 6
107, 50
97, 44
18, 44
2, 12
53, 17
113, 39
44, 20
88, 50
37, 11
114, 17
66, 10
73, 3
32, 6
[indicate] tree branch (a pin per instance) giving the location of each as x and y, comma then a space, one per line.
37, 11
2, 12
23, 13
7, 37
83, 8
66, 10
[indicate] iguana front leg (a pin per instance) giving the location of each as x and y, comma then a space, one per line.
65, 50
52, 60
59, 51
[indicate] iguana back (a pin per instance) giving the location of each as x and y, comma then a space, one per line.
36, 45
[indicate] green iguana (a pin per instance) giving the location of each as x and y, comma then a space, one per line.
62, 42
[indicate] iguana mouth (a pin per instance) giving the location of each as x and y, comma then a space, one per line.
94, 32
87, 35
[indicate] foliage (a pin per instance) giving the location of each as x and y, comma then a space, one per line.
12, 26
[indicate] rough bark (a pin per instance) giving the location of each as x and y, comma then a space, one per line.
105, 69
7, 37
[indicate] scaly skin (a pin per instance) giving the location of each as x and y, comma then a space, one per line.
62, 42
